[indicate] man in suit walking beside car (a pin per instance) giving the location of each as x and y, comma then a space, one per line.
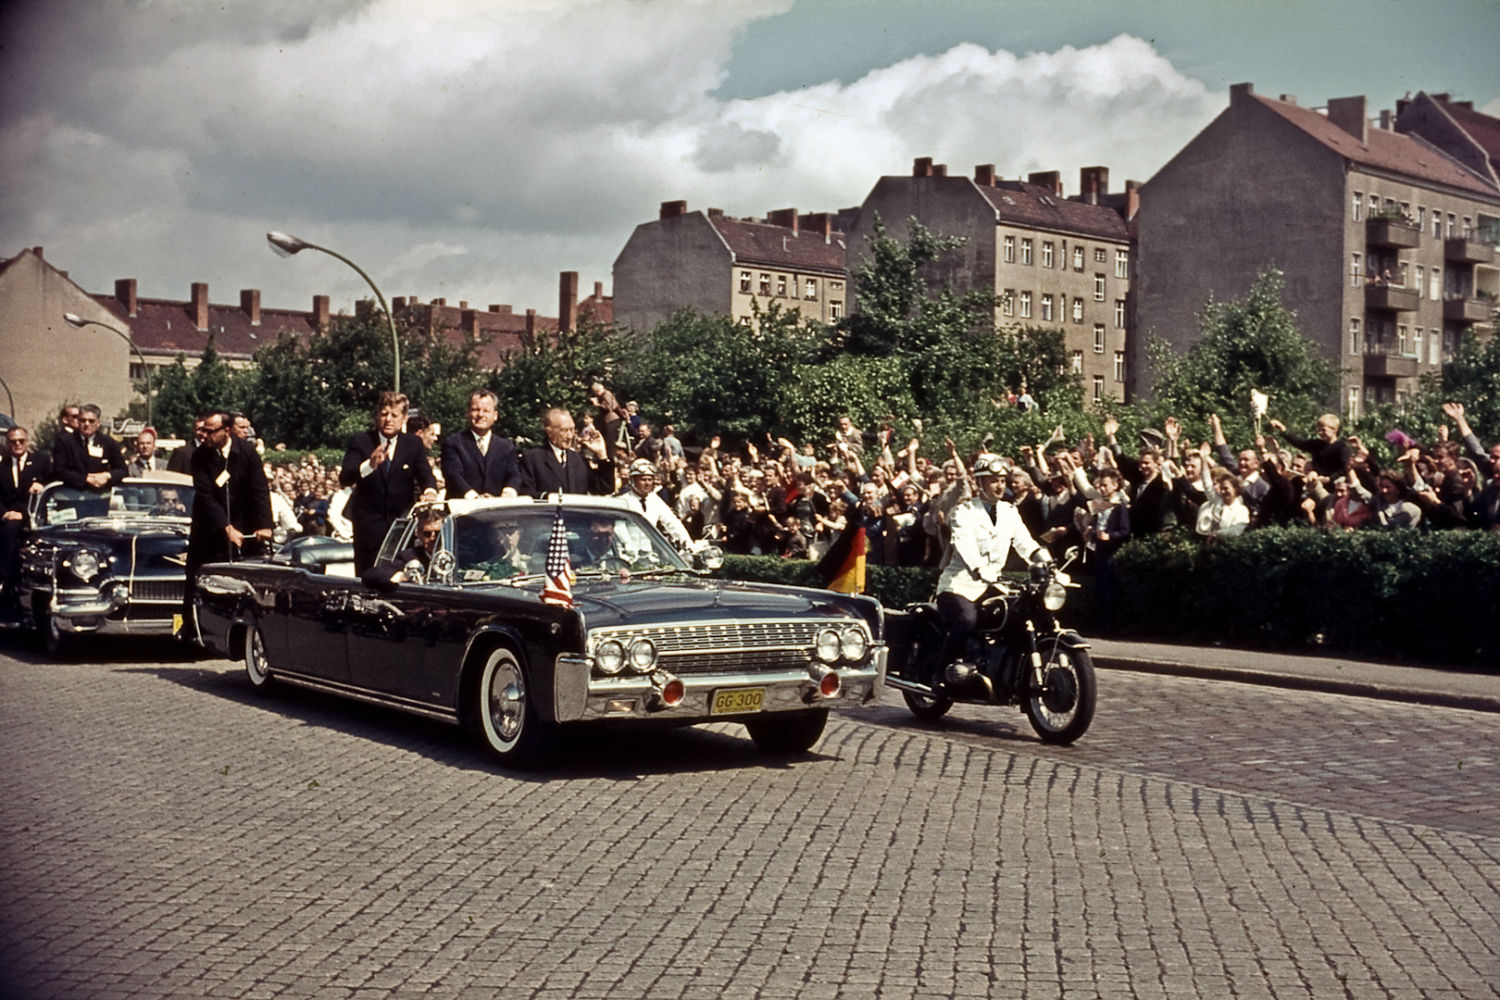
388, 469
477, 462
231, 504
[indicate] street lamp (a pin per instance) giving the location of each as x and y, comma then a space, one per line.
285, 246
78, 322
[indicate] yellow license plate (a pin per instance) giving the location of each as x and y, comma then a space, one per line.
734, 701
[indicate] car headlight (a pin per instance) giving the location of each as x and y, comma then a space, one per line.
826, 646
610, 656
853, 645
643, 656
83, 564
1055, 596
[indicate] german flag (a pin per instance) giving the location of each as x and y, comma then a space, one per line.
843, 565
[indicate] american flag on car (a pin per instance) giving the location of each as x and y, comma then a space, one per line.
559, 569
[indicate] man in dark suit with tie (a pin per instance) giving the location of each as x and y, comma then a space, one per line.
231, 503
389, 472
477, 462
555, 465
90, 459
22, 473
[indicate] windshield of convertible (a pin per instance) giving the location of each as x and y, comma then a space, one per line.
64, 504
506, 544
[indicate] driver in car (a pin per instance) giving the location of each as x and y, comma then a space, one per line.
429, 530
598, 548
169, 502
985, 531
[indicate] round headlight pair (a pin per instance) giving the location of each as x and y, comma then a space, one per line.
832, 645
83, 564
612, 656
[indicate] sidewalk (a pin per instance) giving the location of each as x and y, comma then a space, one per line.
1455, 688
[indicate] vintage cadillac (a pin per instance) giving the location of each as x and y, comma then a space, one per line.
106, 562
462, 633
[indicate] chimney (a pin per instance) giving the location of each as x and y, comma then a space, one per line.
922, 167
1047, 179
786, 218
440, 302
567, 301
1289, 99
320, 312
125, 294
672, 209
398, 303
1385, 119
1240, 93
599, 291
1132, 199
38, 252
817, 224
1093, 184
503, 310
250, 304
200, 305
530, 334
716, 213
468, 322
463, 303
984, 175
1348, 113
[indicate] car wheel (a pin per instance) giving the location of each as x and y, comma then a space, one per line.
257, 666
789, 733
504, 714
60, 645
929, 707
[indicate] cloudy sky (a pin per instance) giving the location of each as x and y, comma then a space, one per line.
473, 149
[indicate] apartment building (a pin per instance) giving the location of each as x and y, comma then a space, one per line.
718, 264
1386, 237
1062, 262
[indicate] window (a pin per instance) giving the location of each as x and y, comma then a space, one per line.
1468, 227
1434, 284
1098, 288
1119, 314
1374, 205
765, 284
1100, 255
1009, 307
1025, 305
1355, 213
1098, 338
1401, 340
1418, 284
835, 309
1421, 217
1356, 276
1025, 251
1354, 342
1075, 362
1047, 308
1010, 249
1047, 258
1078, 310
1122, 264
1351, 406
745, 282
1416, 343
1077, 258
1098, 388
812, 288
1119, 366
837, 286
781, 285
1451, 225
1434, 349
1437, 224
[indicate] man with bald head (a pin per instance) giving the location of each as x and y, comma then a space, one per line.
555, 465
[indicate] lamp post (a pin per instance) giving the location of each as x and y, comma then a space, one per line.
12, 411
285, 246
78, 322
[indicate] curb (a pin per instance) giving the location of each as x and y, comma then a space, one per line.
1324, 685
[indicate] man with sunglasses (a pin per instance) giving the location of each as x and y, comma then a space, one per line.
429, 529
89, 459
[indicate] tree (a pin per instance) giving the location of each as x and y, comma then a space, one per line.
554, 372
1248, 344
182, 393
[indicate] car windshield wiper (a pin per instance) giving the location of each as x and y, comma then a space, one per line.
657, 571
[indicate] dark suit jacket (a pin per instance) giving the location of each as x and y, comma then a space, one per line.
38, 469
385, 494
182, 458
244, 500
541, 473
71, 461
465, 469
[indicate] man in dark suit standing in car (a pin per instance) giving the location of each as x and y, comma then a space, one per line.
555, 465
22, 473
231, 504
477, 462
90, 459
388, 469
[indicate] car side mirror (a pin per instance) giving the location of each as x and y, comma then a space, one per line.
442, 566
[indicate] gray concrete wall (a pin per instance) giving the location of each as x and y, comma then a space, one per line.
671, 264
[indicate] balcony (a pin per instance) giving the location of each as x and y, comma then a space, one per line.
1459, 250
1383, 361
1397, 234
1467, 310
1398, 298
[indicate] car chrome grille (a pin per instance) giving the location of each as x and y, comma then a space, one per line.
157, 590
725, 646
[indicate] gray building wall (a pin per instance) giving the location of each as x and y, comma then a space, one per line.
671, 264
951, 206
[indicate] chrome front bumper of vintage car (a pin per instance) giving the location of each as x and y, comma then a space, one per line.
705, 695
114, 609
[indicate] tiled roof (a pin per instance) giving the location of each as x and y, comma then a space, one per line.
1036, 206
1481, 127
163, 327
1385, 150
778, 246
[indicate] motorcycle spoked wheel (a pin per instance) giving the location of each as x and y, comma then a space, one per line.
1063, 708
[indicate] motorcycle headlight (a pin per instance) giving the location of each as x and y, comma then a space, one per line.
83, 564
643, 656
1055, 596
610, 656
826, 646
853, 645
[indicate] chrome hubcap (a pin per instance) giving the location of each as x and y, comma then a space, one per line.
507, 701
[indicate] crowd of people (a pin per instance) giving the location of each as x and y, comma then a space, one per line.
793, 501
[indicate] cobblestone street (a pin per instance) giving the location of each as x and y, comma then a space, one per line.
169, 834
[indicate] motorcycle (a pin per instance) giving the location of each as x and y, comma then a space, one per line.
1018, 655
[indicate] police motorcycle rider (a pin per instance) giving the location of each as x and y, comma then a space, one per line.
642, 494
984, 531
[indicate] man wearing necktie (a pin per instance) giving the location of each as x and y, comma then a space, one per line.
389, 472
231, 504
22, 473
555, 465
985, 531
643, 496
91, 459
477, 462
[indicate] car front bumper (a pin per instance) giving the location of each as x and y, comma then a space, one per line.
111, 611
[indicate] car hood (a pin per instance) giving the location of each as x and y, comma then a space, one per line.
647, 602
152, 542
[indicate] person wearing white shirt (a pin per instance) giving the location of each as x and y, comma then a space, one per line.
643, 496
